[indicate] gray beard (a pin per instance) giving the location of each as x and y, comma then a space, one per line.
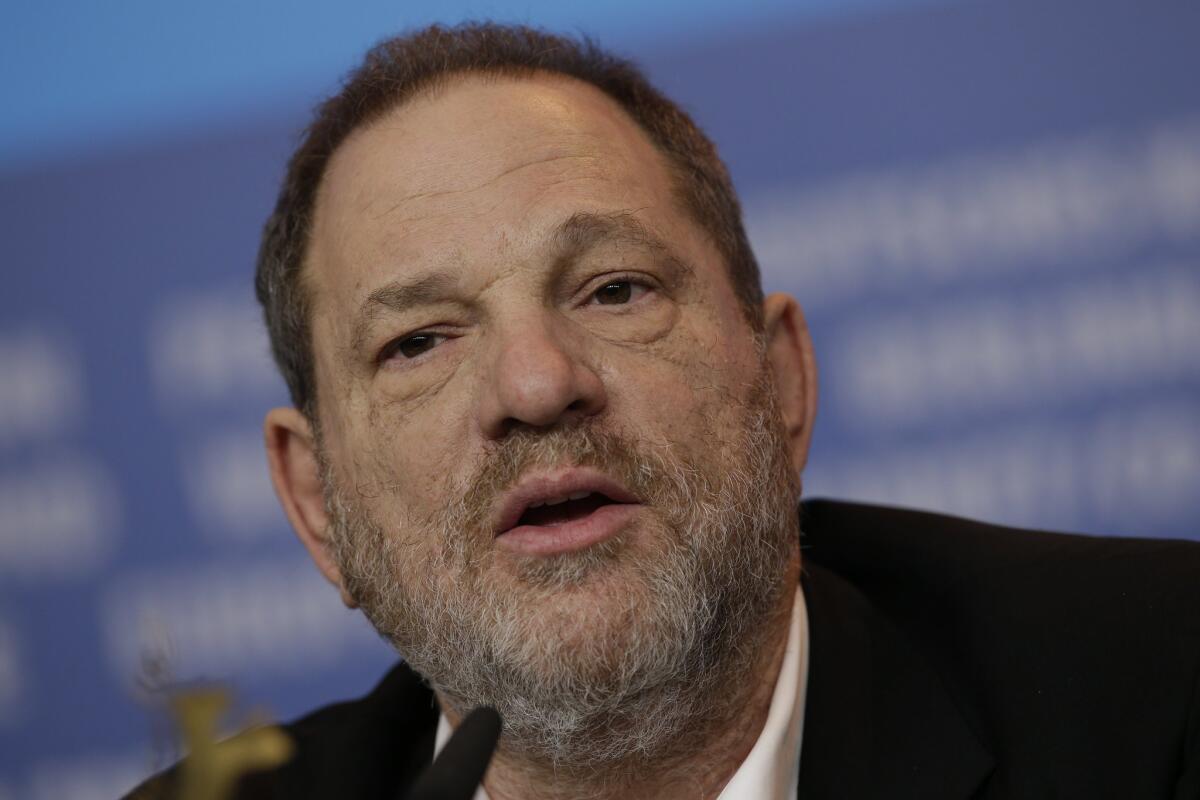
622, 654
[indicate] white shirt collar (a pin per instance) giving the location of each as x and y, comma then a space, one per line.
772, 769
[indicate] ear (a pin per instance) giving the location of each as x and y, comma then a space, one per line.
790, 354
292, 456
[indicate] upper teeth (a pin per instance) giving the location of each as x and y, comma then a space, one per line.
553, 501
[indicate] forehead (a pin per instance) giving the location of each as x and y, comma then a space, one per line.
477, 167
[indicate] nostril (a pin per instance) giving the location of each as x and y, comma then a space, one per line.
510, 424
532, 396
572, 411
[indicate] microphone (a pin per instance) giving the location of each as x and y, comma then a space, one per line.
458, 770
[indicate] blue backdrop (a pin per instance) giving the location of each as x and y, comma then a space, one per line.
990, 211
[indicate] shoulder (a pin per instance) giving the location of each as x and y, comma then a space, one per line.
898, 552
1087, 647
369, 747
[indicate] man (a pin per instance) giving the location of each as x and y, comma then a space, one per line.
548, 435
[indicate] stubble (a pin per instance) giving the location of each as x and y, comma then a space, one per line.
612, 657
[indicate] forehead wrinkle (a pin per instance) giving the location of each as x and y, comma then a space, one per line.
464, 210
439, 193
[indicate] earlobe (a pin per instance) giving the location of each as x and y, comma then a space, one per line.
296, 475
794, 366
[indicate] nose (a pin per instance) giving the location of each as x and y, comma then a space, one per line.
537, 378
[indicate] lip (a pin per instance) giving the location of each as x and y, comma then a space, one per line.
567, 536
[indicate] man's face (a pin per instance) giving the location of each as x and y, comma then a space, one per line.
510, 308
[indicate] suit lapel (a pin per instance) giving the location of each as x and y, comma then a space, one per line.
877, 722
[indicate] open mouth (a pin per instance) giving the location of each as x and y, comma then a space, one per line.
563, 510
560, 510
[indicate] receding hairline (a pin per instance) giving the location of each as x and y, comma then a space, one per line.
436, 87
409, 65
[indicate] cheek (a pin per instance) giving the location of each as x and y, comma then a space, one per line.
686, 387
652, 321
408, 390
397, 464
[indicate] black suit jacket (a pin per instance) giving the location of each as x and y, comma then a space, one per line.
949, 660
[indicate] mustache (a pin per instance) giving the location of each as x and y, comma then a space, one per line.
640, 468
460, 528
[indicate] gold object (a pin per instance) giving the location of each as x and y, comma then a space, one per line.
212, 767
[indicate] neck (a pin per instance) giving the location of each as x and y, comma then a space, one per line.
701, 762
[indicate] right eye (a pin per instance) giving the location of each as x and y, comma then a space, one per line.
412, 346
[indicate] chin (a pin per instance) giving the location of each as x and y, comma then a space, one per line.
567, 574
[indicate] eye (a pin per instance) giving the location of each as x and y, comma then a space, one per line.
412, 346
618, 292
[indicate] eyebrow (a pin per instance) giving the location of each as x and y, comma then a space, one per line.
586, 229
399, 296
570, 241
